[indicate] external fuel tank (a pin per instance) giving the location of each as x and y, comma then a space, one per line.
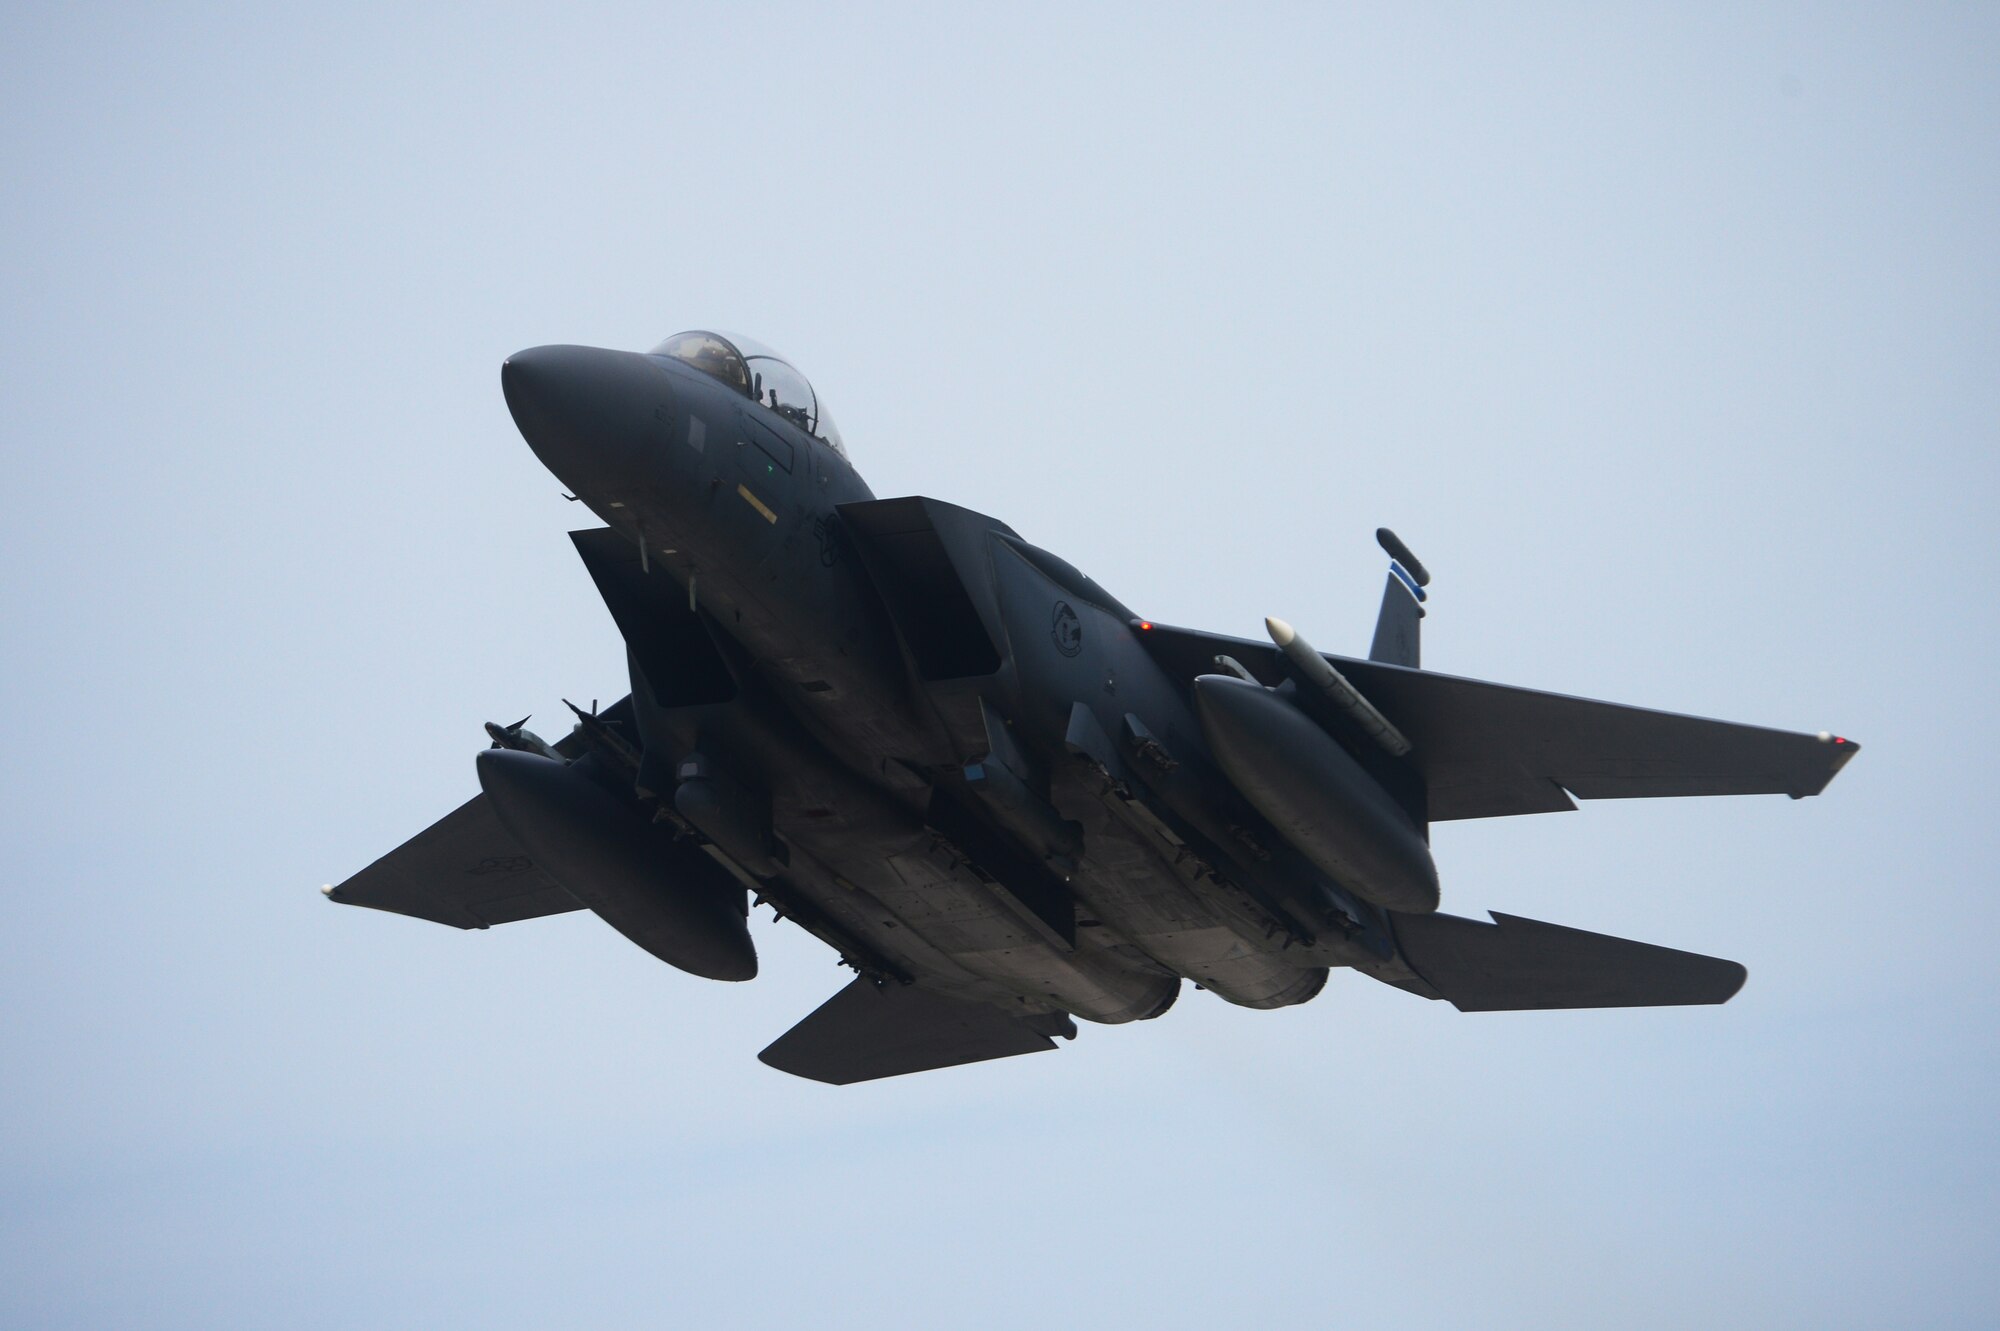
664, 895
1317, 796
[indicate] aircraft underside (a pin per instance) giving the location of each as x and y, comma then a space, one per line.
1000, 797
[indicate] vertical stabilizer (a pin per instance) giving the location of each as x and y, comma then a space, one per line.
1399, 625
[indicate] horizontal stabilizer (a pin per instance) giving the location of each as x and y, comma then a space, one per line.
864, 1032
1514, 964
463, 870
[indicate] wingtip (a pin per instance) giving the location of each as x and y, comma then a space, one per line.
1844, 750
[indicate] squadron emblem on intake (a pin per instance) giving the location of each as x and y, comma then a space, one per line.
1066, 629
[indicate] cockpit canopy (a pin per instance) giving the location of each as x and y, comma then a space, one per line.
757, 372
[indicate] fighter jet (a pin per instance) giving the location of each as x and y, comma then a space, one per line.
1004, 799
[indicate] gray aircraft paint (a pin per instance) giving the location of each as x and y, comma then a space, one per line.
948, 646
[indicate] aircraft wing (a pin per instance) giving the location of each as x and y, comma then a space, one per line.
865, 1032
463, 870
1489, 750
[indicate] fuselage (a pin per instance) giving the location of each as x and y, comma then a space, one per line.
945, 751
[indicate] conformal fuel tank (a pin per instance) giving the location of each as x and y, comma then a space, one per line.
664, 895
1316, 795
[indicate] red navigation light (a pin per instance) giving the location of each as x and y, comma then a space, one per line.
1144, 625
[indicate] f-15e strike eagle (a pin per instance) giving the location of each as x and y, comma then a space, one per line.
1003, 798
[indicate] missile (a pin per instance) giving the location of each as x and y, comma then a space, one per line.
602, 739
663, 894
1317, 672
517, 736
1318, 797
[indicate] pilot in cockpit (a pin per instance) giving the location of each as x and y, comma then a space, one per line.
758, 373
709, 354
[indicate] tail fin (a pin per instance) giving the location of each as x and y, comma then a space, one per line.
1398, 628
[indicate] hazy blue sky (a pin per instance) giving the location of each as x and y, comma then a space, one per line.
1669, 336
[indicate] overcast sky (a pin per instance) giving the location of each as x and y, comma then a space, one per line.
1669, 337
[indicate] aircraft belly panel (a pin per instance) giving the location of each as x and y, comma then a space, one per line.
927, 895
1161, 907
942, 901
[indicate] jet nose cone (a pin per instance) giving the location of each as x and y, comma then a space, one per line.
533, 383
589, 414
